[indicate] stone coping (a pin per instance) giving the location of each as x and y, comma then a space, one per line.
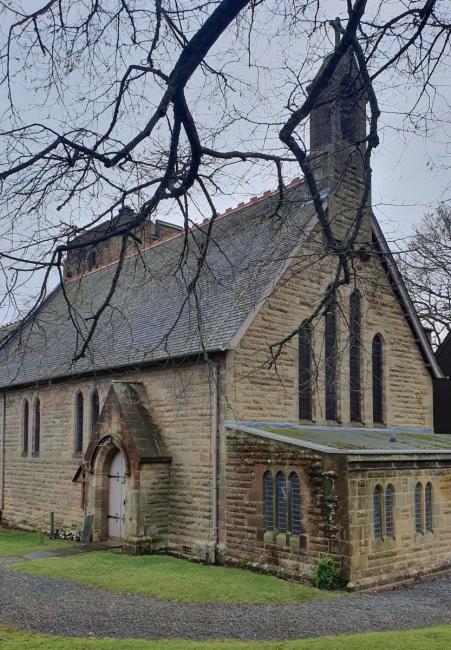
350, 441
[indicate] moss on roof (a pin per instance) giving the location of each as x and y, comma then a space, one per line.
365, 439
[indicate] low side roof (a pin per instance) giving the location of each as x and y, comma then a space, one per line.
248, 250
347, 440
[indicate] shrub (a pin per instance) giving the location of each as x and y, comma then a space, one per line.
327, 574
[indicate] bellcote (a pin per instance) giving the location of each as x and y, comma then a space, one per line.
337, 145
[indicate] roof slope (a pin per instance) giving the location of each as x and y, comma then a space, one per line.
248, 250
6, 330
152, 316
349, 441
133, 402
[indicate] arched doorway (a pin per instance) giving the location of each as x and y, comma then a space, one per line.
116, 497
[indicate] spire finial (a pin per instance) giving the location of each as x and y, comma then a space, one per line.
336, 24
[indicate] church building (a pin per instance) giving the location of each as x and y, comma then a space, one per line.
177, 432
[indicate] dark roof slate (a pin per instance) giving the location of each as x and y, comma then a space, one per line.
8, 329
151, 316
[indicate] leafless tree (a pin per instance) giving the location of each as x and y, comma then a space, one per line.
114, 101
426, 266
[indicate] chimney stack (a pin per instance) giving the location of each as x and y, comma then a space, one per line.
91, 256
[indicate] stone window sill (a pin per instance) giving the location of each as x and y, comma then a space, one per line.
423, 537
282, 539
385, 542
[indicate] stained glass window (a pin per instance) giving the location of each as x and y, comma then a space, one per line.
305, 362
295, 503
377, 512
281, 502
376, 355
268, 500
355, 357
389, 517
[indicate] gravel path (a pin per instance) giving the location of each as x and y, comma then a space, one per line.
57, 607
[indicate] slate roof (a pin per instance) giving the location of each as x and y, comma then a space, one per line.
6, 330
248, 249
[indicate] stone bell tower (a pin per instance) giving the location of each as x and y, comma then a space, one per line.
337, 146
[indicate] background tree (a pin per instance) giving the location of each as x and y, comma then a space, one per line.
174, 105
426, 266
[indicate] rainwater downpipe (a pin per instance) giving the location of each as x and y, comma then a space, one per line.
214, 461
2, 454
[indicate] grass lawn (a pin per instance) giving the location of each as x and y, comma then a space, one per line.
15, 543
170, 578
437, 638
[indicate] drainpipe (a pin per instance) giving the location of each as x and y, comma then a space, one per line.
214, 462
2, 454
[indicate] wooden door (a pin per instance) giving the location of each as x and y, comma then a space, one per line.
116, 497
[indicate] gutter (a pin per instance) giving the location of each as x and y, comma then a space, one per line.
214, 462
112, 370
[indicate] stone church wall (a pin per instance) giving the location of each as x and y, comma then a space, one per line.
408, 554
323, 516
257, 392
36, 486
337, 513
153, 505
181, 401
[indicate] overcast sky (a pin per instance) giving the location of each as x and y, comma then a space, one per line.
411, 171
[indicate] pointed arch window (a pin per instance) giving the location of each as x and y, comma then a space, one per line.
294, 503
330, 359
37, 428
377, 512
25, 426
428, 506
389, 517
268, 500
305, 374
281, 503
419, 508
94, 410
79, 408
355, 357
377, 371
